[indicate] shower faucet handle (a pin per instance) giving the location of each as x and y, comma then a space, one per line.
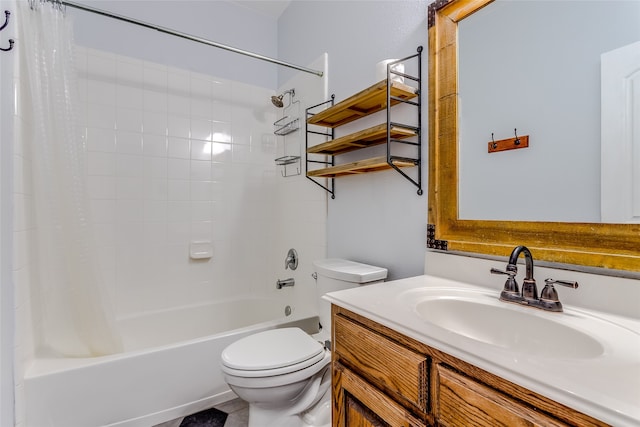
291, 261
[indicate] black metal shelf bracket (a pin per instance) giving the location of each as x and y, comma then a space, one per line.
391, 142
329, 134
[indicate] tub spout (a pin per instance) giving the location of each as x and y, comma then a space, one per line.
285, 283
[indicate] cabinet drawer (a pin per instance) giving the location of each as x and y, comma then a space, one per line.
388, 365
363, 405
463, 401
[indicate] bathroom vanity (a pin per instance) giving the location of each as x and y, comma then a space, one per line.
393, 366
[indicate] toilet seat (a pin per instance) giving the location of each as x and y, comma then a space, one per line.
271, 353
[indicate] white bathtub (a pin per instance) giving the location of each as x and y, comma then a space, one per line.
170, 367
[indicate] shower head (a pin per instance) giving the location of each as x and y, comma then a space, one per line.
277, 99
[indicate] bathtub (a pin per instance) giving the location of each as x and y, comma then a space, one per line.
170, 367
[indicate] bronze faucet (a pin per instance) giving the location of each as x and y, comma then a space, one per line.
548, 300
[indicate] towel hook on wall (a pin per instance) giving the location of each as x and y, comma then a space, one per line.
6, 22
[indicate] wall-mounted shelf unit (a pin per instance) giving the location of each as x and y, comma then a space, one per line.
383, 95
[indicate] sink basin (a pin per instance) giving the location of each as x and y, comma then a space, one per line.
508, 327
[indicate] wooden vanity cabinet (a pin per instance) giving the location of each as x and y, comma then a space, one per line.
383, 378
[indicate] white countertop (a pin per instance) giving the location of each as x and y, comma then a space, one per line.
606, 387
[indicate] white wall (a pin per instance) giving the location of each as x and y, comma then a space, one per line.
301, 206
7, 302
220, 21
376, 218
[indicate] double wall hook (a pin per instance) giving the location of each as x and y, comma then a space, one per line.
6, 22
509, 143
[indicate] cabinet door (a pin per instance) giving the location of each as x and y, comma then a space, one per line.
461, 401
357, 403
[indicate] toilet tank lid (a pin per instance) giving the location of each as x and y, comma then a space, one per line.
349, 271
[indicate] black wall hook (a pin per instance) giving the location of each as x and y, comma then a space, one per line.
6, 22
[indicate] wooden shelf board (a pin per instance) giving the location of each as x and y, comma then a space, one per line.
361, 166
368, 101
365, 138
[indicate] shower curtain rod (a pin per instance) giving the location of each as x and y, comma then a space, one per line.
187, 36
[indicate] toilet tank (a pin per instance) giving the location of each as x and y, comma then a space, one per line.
335, 274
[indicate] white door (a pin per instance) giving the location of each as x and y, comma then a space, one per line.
620, 122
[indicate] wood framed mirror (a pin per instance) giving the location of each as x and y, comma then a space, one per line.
611, 246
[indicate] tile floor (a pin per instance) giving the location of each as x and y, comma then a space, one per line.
237, 416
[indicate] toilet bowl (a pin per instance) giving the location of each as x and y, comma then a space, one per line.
281, 373
284, 374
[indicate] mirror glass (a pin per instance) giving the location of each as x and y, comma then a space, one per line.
535, 66
571, 241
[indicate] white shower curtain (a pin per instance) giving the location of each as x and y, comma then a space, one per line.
71, 312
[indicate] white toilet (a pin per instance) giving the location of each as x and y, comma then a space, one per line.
284, 374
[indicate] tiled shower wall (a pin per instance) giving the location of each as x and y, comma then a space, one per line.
176, 157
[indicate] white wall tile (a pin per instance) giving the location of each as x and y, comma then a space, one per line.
101, 187
221, 152
200, 170
200, 87
129, 73
155, 167
201, 107
178, 104
101, 92
178, 82
178, 190
178, 126
129, 165
156, 189
178, 232
154, 122
178, 211
101, 163
178, 169
129, 142
130, 188
100, 66
155, 101
155, 78
202, 211
101, 116
129, 97
103, 210
200, 150
201, 129
129, 119
155, 145
178, 148
201, 191
171, 160
129, 210
101, 139
155, 211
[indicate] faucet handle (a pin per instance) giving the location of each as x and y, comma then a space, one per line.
510, 292
509, 273
549, 296
567, 283
549, 293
